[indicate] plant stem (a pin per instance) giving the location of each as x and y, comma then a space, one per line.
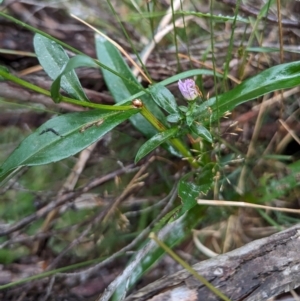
175, 141
37, 89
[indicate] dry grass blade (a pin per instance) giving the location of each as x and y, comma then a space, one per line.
121, 49
246, 205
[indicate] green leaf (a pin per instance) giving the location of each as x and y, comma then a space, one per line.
154, 142
276, 78
189, 73
201, 131
183, 109
124, 89
189, 118
164, 98
74, 62
193, 184
120, 88
62, 137
175, 78
174, 118
53, 57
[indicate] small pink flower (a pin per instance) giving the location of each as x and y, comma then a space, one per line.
188, 89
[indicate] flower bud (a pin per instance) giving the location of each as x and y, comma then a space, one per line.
188, 89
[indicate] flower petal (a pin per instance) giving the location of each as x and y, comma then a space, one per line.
188, 89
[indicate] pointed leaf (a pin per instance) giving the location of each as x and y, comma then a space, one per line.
174, 118
201, 131
62, 137
74, 62
192, 184
283, 76
154, 142
189, 118
164, 98
53, 57
172, 79
121, 88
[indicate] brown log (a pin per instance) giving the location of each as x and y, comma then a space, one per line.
255, 272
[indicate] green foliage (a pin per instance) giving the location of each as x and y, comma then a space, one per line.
275, 78
154, 111
125, 84
193, 184
164, 98
154, 142
62, 137
18, 209
201, 131
70, 65
9, 256
53, 58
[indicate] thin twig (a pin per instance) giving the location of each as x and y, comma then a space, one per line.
141, 254
245, 205
251, 150
120, 48
292, 133
49, 288
88, 273
77, 240
129, 187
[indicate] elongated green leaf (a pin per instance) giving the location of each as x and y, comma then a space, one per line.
53, 57
120, 89
123, 89
154, 142
174, 118
279, 77
74, 62
189, 73
201, 131
193, 184
62, 137
164, 98
173, 79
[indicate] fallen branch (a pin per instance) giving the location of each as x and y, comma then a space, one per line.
257, 271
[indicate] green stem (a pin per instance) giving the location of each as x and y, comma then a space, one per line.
188, 267
144, 111
175, 141
37, 89
152, 119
